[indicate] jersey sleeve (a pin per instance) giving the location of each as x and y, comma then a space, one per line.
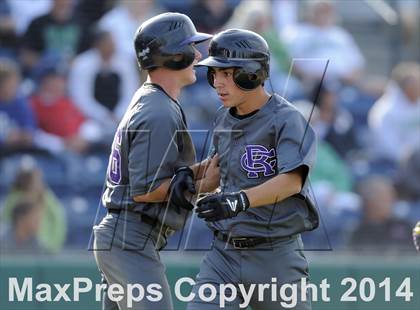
296, 147
153, 153
296, 144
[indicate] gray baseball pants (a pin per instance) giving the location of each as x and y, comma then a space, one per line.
125, 250
282, 259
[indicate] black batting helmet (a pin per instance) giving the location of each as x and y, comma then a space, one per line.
244, 50
160, 41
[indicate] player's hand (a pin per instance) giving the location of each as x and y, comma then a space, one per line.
182, 181
219, 206
416, 236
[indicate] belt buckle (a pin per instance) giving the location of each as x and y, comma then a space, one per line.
236, 242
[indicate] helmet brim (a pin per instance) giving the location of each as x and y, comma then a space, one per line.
219, 63
198, 37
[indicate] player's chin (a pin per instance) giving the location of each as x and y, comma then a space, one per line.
192, 78
227, 104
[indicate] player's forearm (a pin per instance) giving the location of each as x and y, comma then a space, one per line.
199, 169
206, 186
160, 194
275, 190
209, 173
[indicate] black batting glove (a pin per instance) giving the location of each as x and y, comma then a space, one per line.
182, 181
416, 236
216, 207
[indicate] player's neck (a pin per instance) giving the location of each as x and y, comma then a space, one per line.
253, 101
167, 83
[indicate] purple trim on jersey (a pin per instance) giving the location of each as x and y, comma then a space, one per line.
114, 169
258, 159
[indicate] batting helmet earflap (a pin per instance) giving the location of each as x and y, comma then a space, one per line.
165, 41
244, 50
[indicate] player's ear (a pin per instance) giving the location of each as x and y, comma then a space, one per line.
178, 57
210, 76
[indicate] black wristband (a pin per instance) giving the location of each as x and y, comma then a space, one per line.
244, 200
186, 169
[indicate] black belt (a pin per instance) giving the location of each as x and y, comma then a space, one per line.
246, 242
144, 218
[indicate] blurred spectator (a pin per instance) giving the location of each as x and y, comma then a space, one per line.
56, 114
102, 82
17, 122
29, 185
210, 15
408, 177
124, 19
321, 39
331, 168
379, 229
88, 13
8, 36
56, 35
284, 13
23, 12
21, 236
395, 117
335, 124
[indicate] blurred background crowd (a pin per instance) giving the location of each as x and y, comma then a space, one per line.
68, 71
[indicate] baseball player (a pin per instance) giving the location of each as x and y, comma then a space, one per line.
416, 236
150, 145
266, 150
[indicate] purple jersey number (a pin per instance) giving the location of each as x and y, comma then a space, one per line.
114, 168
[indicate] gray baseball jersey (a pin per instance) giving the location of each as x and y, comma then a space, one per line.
150, 144
252, 150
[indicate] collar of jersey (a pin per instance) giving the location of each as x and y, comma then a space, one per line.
252, 114
237, 116
157, 86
